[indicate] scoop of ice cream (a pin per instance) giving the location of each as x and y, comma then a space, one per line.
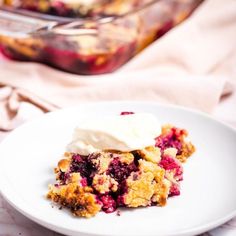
122, 133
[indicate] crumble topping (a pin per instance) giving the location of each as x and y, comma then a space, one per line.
140, 189
187, 150
79, 200
161, 192
158, 172
126, 158
64, 165
173, 137
162, 185
151, 153
104, 183
76, 178
171, 152
100, 161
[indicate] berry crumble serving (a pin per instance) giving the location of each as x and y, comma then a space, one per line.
120, 161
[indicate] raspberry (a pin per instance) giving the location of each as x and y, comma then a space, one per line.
109, 204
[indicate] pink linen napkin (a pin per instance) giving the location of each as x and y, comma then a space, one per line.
191, 65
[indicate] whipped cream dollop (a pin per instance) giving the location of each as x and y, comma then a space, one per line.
123, 133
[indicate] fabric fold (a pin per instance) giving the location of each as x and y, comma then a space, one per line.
190, 66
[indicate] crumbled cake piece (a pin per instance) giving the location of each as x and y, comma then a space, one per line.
80, 200
187, 150
162, 185
104, 181
161, 192
126, 158
157, 171
171, 152
173, 137
76, 178
100, 161
64, 165
140, 189
151, 153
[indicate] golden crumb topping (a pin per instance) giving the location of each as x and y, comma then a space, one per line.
152, 154
140, 189
80, 200
161, 192
156, 170
104, 183
75, 178
64, 165
170, 152
102, 161
126, 157
187, 150
161, 185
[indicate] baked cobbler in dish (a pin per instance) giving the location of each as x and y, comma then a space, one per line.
105, 169
100, 37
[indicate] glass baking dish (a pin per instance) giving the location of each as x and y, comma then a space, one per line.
98, 42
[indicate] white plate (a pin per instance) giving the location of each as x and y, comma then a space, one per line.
29, 154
